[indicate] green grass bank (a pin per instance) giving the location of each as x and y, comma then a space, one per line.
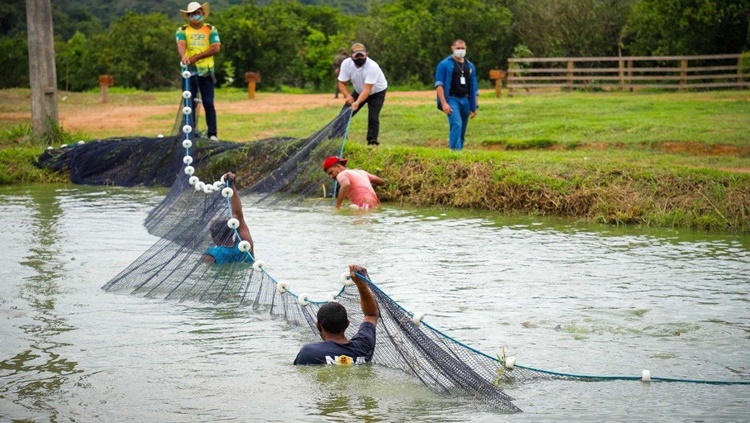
654, 159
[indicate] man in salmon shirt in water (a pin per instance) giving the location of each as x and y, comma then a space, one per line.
354, 184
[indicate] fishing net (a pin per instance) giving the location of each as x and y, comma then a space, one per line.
285, 173
275, 172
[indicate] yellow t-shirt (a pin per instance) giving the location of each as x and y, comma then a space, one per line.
198, 41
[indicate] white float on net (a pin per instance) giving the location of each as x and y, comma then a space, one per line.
416, 318
346, 279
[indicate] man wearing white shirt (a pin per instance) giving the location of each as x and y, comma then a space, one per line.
369, 85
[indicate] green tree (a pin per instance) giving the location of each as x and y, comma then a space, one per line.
408, 38
78, 19
688, 27
13, 17
570, 28
77, 68
317, 60
14, 50
140, 51
285, 41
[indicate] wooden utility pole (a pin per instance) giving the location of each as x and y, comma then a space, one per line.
42, 73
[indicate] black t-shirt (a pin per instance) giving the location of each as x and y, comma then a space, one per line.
359, 350
457, 88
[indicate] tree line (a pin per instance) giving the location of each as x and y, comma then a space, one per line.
293, 43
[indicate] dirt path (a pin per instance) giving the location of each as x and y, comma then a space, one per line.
133, 118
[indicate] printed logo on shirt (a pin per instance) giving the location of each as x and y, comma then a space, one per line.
344, 360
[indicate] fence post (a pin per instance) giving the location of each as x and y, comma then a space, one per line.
570, 75
498, 76
683, 73
105, 81
630, 75
251, 78
511, 71
740, 75
621, 66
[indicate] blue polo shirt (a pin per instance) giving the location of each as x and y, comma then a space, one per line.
223, 255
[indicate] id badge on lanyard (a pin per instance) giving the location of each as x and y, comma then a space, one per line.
463, 80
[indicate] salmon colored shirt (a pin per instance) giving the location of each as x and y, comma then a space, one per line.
361, 191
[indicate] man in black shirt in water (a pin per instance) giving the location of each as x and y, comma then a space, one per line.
332, 322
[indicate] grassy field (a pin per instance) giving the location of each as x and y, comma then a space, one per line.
651, 158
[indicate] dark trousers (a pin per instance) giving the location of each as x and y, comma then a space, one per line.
204, 84
336, 76
374, 105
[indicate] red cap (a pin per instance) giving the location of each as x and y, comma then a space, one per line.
332, 160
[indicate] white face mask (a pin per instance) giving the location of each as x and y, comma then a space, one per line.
459, 53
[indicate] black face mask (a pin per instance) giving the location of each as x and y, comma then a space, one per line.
359, 62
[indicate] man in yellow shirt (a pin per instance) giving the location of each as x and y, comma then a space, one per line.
197, 43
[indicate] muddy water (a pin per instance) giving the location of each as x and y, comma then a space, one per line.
560, 296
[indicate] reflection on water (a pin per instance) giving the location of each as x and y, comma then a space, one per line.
36, 372
561, 296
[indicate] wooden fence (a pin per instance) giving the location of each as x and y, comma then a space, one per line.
626, 73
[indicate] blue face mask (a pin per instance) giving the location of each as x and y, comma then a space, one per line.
196, 18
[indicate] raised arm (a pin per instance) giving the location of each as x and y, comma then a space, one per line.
367, 300
236, 205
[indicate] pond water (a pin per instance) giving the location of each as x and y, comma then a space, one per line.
559, 296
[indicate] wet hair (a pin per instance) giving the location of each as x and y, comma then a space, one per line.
332, 317
220, 232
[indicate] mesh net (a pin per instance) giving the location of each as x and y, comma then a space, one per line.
276, 172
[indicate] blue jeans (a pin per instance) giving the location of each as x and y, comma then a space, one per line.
458, 121
204, 84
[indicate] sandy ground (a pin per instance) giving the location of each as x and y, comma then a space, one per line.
131, 118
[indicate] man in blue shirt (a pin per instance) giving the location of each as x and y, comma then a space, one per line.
456, 85
227, 246
332, 323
